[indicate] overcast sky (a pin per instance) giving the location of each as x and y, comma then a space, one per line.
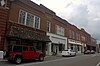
82, 13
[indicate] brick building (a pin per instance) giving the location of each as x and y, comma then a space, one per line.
3, 20
23, 25
26, 23
56, 30
74, 38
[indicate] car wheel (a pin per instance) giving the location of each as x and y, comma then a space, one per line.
18, 60
41, 58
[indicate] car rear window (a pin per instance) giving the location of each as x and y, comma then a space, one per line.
32, 49
17, 48
25, 48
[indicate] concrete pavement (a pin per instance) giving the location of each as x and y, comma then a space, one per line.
78, 60
47, 58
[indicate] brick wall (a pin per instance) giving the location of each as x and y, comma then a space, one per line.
3, 18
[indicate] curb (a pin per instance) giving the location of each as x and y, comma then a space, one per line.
3, 60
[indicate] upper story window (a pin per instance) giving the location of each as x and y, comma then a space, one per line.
48, 26
73, 34
70, 34
77, 36
28, 19
60, 30
83, 38
22, 17
37, 22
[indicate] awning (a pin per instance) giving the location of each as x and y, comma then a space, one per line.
22, 32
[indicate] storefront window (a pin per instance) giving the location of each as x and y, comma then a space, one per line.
72, 47
78, 48
51, 47
61, 47
39, 46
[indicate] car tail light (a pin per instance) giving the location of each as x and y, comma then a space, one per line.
10, 55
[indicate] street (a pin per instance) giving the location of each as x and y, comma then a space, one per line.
81, 60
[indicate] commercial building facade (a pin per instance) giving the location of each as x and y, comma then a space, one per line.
27, 23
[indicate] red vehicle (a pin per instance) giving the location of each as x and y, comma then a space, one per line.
20, 53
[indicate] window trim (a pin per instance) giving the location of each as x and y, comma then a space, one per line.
48, 26
60, 30
26, 13
35, 22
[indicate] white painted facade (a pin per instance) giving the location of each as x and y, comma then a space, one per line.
56, 40
75, 45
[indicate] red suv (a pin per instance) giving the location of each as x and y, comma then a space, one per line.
19, 53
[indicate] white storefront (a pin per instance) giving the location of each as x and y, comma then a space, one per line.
75, 45
58, 43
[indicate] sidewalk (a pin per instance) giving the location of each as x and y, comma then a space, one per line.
2, 60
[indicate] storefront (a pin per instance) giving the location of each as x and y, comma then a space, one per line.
58, 43
91, 47
75, 45
21, 35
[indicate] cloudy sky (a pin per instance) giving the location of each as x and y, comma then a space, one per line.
82, 13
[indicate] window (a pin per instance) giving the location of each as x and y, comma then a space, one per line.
22, 16
59, 30
28, 19
32, 49
61, 47
72, 47
37, 22
70, 34
25, 48
17, 48
39, 46
73, 35
78, 48
83, 38
79, 37
48, 26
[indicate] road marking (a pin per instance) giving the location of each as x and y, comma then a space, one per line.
98, 64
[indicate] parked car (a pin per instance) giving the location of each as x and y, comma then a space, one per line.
92, 52
87, 52
19, 53
68, 52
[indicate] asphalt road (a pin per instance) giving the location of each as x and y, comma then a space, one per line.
82, 60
